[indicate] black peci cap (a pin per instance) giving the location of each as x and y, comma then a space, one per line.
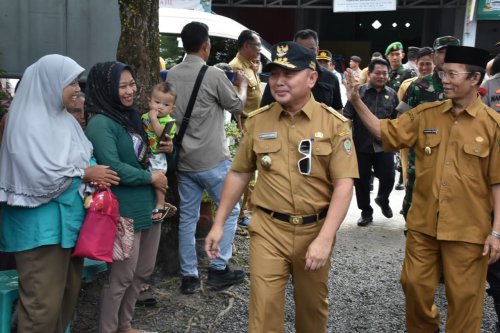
466, 55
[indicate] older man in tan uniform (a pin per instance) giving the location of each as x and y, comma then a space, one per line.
305, 159
457, 146
247, 60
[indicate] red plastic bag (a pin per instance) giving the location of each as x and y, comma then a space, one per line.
97, 235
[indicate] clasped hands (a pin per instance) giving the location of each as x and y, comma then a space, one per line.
101, 176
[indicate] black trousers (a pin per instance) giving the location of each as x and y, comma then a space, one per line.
383, 167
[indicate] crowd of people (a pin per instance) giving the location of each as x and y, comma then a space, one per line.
311, 138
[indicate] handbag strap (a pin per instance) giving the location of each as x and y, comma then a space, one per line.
185, 121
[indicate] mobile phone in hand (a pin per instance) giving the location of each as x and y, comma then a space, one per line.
167, 129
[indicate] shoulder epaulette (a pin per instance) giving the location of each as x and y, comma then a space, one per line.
428, 105
334, 112
422, 107
262, 109
493, 114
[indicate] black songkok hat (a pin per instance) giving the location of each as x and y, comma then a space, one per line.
466, 55
291, 56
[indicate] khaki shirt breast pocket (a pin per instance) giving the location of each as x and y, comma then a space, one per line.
321, 155
475, 157
271, 148
430, 150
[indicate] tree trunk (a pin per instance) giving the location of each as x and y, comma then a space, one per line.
139, 47
139, 44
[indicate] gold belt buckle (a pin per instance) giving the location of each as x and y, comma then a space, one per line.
295, 219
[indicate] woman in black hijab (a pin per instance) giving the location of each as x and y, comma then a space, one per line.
115, 129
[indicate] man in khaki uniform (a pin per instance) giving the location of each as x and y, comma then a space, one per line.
249, 46
305, 159
457, 147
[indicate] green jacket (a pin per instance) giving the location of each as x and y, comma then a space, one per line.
113, 146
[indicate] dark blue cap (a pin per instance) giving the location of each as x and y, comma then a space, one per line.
291, 56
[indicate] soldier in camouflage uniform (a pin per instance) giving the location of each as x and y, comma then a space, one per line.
397, 74
422, 90
394, 54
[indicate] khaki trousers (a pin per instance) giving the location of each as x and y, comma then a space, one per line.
120, 292
277, 250
49, 283
464, 270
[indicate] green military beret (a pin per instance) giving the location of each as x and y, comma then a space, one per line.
393, 47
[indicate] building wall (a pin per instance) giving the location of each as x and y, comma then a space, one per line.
346, 34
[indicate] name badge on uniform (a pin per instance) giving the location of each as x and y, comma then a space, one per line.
430, 131
268, 135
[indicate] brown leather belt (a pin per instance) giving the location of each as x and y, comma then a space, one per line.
296, 219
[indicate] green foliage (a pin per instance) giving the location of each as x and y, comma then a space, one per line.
3, 97
170, 50
234, 136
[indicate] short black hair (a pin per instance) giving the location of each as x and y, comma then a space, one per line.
193, 36
245, 36
473, 69
374, 62
164, 87
377, 54
495, 67
424, 51
306, 34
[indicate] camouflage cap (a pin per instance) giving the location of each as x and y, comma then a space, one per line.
445, 41
396, 46
291, 56
324, 55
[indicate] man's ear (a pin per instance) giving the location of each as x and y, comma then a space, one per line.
313, 77
475, 78
205, 46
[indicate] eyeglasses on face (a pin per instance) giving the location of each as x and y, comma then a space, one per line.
304, 164
450, 75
